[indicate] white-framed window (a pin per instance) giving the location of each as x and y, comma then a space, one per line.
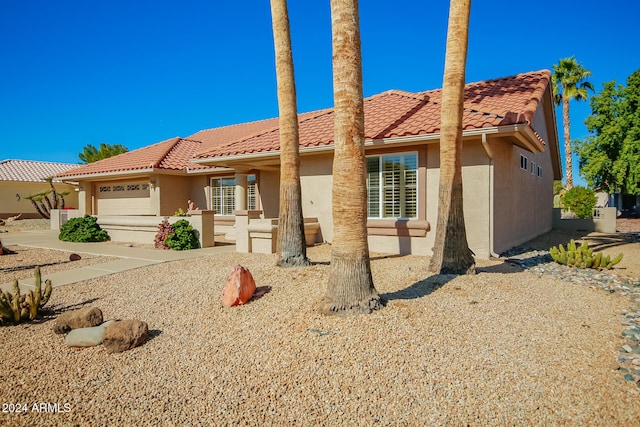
523, 162
223, 194
251, 193
539, 172
392, 185
533, 168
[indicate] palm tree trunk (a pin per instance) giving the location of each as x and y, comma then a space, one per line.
54, 193
291, 245
451, 253
37, 208
567, 142
350, 289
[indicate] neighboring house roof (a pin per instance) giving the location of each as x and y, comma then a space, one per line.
173, 154
492, 103
30, 170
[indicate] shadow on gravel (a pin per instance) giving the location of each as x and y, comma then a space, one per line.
606, 241
60, 310
153, 333
30, 267
420, 289
507, 267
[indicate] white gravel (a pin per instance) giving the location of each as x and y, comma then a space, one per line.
498, 348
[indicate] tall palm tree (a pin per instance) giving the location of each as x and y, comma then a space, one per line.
451, 253
350, 289
291, 246
569, 82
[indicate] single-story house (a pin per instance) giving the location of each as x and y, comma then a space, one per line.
22, 178
510, 160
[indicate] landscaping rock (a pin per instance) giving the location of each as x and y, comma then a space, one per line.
74, 257
84, 318
87, 337
124, 335
239, 288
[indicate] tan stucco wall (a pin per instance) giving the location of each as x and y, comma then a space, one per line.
269, 193
316, 180
174, 192
199, 191
523, 202
10, 205
476, 191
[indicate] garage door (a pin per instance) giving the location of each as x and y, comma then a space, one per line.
123, 198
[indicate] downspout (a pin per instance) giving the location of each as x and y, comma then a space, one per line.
487, 149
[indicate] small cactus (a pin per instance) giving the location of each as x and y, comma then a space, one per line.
582, 257
17, 307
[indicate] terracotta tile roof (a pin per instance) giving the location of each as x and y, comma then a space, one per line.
491, 103
30, 171
394, 113
212, 138
172, 154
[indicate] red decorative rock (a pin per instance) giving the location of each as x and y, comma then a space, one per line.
239, 288
74, 257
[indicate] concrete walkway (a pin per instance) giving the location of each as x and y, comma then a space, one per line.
128, 258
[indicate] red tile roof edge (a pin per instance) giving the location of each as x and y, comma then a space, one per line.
302, 117
78, 171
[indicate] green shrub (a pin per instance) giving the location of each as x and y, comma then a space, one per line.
557, 187
580, 201
183, 238
85, 229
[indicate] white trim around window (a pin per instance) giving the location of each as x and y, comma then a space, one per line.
223, 194
392, 185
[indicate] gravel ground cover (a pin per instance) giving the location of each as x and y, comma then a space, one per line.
502, 347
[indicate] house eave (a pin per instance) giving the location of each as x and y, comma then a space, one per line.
522, 134
117, 174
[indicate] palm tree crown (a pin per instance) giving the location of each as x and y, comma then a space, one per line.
569, 81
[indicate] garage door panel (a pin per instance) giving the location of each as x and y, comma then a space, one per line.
123, 198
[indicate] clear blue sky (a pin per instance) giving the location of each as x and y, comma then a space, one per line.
77, 72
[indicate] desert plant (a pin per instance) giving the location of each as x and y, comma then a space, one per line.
46, 203
183, 238
164, 230
17, 307
582, 256
84, 229
180, 212
580, 201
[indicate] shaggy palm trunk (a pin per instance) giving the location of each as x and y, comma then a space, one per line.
54, 193
47, 203
350, 289
291, 245
37, 208
451, 253
567, 142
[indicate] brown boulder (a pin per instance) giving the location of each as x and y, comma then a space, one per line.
239, 288
84, 318
124, 335
74, 257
